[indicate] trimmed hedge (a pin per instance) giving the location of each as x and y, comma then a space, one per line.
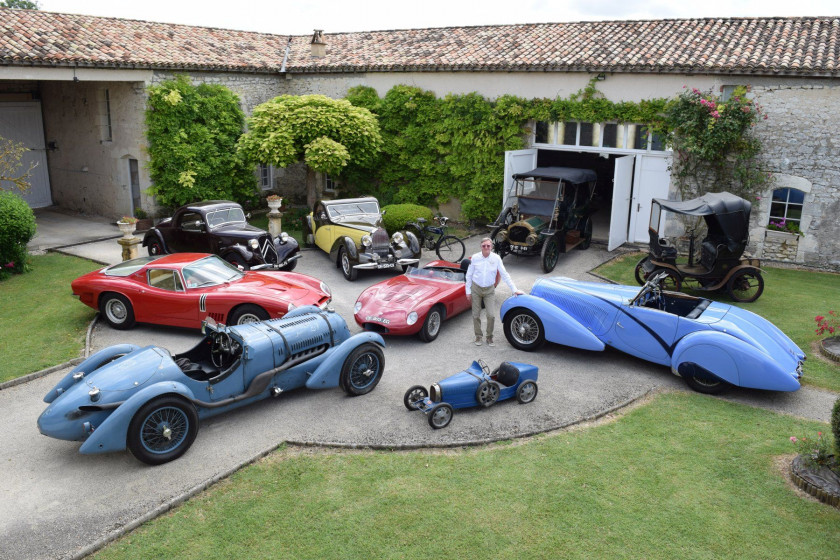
397, 215
17, 227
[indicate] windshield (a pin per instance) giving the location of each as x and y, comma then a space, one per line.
226, 216
127, 268
210, 271
352, 209
655, 213
537, 188
444, 274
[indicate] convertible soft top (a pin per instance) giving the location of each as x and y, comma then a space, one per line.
709, 203
568, 174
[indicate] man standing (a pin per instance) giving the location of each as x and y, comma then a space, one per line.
481, 287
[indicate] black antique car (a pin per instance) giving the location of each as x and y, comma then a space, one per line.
721, 265
547, 212
219, 226
351, 231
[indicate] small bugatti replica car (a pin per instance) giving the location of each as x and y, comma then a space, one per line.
416, 302
219, 226
350, 231
475, 386
182, 290
711, 345
151, 402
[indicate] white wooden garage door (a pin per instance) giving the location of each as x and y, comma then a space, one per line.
21, 122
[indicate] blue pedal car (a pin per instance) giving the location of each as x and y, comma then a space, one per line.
151, 402
475, 386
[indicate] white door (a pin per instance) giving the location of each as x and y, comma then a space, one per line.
21, 122
517, 161
620, 215
651, 181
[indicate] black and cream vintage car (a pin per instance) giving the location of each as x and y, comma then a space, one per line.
351, 231
220, 227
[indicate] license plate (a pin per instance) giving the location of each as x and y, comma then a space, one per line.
385, 265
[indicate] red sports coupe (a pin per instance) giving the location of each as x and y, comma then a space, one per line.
184, 289
416, 302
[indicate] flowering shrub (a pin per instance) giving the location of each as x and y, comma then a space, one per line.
128, 220
813, 450
713, 143
827, 324
784, 225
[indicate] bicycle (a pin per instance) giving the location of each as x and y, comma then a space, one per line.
448, 247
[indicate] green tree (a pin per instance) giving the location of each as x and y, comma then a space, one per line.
326, 134
192, 132
11, 153
19, 4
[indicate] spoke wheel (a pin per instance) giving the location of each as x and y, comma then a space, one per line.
431, 326
745, 285
550, 254
362, 369
526, 392
487, 393
117, 311
585, 228
162, 430
414, 396
347, 269
672, 282
639, 271
523, 329
450, 248
440, 416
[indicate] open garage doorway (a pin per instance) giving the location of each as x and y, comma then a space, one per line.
627, 181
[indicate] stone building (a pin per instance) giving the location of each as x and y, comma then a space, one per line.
74, 88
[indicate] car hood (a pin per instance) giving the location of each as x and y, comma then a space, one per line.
245, 231
271, 284
364, 222
404, 293
759, 332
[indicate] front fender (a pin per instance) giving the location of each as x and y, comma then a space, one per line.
560, 327
238, 250
327, 374
112, 433
733, 361
349, 245
88, 366
413, 243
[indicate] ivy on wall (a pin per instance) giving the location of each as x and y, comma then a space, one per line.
192, 133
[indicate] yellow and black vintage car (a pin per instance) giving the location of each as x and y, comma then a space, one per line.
351, 231
547, 212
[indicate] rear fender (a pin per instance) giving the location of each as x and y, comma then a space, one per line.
560, 327
732, 360
89, 366
112, 433
327, 374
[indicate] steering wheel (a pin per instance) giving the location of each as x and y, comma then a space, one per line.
220, 348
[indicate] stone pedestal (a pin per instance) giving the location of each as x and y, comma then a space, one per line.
274, 223
130, 247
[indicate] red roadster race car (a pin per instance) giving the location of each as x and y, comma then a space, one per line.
416, 302
184, 289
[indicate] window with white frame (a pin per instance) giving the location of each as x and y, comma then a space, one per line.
330, 184
627, 136
786, 207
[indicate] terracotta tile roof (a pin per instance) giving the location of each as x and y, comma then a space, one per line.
760, 46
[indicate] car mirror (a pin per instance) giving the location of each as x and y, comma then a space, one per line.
248, 216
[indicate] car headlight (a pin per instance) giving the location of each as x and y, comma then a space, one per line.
291, 306
397, 238
283, 237
367, 240
325, 289
253, 244
412, 318
357, 307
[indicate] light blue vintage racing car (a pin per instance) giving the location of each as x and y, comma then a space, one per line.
711, 345
151, 402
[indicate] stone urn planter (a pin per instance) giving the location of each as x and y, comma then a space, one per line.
274, 204
830, 348
820, 481
127, 228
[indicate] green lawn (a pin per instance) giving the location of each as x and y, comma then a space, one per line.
42, 323
791, 300
683, 476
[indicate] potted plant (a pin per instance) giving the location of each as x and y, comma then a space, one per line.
829, 324
784, 228
127, 225
144, 222
274, 202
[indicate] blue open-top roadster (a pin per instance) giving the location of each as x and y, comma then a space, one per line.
151, 402
711, 345
474, 386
